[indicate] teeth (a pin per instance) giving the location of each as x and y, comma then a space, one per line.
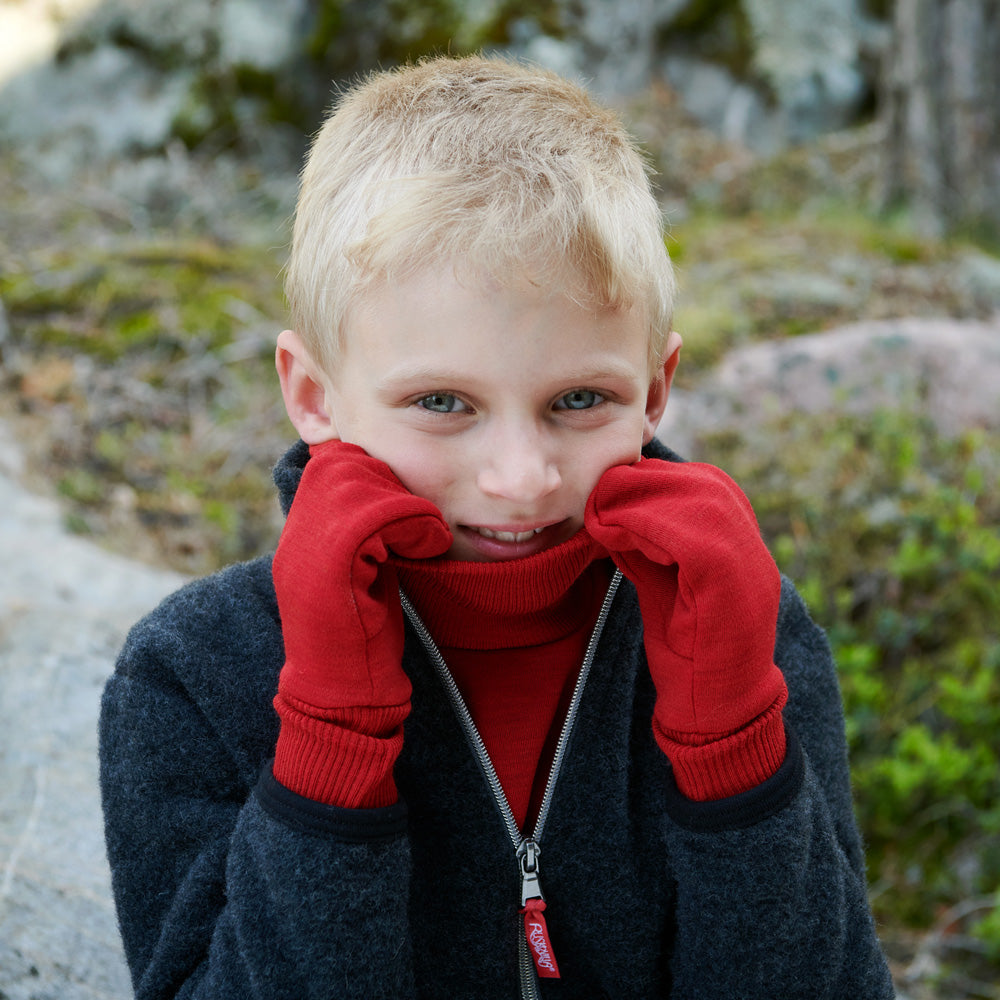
509, 536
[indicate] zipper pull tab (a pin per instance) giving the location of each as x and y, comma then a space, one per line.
527, 856
532, 907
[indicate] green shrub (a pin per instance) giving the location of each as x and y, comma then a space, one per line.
890, 530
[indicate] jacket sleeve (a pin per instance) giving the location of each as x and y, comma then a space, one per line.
227, 885
771, 889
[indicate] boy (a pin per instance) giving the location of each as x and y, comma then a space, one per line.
587, 752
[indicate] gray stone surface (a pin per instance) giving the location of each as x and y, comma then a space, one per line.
812, 56
111, 85
64, 608
948, 369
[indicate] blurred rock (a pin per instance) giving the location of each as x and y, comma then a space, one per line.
261, 33
615, 42
978, 274
805, 292
105, 103
811, 54
64, 608
946, 369
130, 78
809, 67
732, 109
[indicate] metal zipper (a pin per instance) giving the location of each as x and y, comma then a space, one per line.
526, 848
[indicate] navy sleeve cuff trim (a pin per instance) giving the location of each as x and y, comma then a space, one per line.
748, 808
354, 826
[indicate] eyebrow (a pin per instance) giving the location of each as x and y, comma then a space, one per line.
417, 373
405, 375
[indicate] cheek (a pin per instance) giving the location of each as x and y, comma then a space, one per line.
621, 448
382, 437
426, 468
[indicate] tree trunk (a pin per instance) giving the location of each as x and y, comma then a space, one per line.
941, 111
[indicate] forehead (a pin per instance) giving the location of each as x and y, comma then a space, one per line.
455, 312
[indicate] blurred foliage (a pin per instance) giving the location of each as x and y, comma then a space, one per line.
718, 30
341, 41
348, 36
226, 105
891, 532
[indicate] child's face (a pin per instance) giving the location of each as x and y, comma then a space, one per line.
501, 405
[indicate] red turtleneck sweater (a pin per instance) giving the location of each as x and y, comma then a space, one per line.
514, 635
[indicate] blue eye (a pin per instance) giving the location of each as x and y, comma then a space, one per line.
579, 399
442, 402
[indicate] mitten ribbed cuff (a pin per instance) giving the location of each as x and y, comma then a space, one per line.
707, 771
342, 757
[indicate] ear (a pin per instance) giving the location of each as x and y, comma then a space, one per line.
302, 387
659, 390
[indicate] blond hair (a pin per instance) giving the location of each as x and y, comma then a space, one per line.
505, 170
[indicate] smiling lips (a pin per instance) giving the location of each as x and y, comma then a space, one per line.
511, 541
508, 536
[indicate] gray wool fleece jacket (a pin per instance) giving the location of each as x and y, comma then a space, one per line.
230, 886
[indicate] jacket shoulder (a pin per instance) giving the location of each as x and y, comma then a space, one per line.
211, 650
223, 617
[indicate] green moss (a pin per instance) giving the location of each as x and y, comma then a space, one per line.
76, 524
199, 117
111, 447
82, 486
889, 237
156, 298
677, 247
162, 315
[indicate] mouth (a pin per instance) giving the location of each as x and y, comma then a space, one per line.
508, 536
509, 541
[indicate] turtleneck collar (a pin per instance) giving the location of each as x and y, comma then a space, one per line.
511, 603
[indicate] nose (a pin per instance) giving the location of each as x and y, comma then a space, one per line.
520, 467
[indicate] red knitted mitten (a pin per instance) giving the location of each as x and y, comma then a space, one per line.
708, 589
342, 693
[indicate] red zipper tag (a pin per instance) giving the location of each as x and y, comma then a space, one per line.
537, 933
